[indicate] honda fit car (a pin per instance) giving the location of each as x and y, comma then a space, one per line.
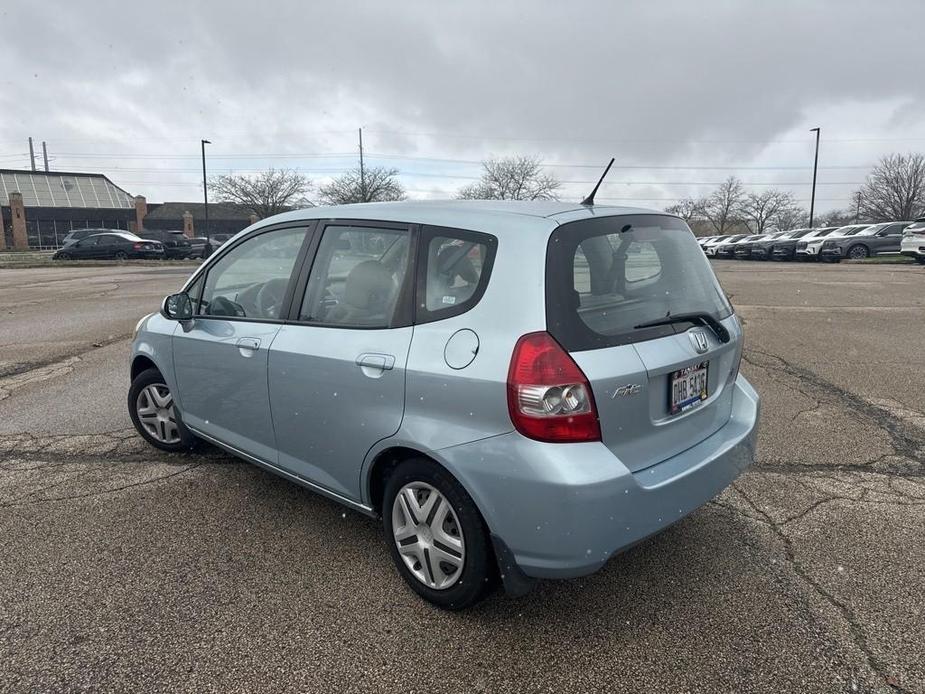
518, 390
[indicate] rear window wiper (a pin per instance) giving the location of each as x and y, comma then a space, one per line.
704, 319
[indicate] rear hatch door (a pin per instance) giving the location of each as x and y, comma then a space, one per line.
658, 388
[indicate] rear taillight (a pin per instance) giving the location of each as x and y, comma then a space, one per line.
137, 245
548, 396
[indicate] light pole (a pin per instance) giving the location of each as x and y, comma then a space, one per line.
812, 198
205, 188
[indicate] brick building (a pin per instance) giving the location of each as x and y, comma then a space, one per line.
38, 208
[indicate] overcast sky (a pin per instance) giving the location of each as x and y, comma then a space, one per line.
681, 93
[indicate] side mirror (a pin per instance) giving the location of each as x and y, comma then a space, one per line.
177, 307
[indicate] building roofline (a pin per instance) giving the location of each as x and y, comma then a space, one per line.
67, 173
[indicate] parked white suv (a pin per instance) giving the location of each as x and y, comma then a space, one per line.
913, 243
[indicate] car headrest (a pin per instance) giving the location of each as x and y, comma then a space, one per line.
454, 260
369, 286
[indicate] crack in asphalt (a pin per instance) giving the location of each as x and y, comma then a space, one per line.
25, 500
906, 440
21, 369
860, 639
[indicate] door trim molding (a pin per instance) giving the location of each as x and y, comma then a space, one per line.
323, 491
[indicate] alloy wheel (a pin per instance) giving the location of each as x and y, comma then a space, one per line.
428, 535
154, 407
858, 252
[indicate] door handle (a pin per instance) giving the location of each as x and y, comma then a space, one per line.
370, 360
248, 345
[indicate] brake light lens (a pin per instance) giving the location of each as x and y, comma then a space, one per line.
137, 245
548, 396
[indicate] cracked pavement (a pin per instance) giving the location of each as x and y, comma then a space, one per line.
125, 569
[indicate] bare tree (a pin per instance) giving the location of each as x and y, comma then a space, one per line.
762, 208
895, 189
512, 178
687, 209
265, 194
723, 208
836, 218
790, 217
369, 184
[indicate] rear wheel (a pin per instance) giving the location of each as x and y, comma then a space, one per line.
121, 255
858, 252
151, 408
436, 535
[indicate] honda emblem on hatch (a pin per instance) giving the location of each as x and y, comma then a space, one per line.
699, 339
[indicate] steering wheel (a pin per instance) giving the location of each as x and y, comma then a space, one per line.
269, 298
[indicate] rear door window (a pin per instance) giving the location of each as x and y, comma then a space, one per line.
358, 276
606, 276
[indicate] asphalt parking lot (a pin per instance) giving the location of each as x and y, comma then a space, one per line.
125, 569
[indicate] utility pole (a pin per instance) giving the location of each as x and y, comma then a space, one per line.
362, 170
812, 199
31, 154
205, 187
45, 154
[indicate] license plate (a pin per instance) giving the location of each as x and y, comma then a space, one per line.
687, 388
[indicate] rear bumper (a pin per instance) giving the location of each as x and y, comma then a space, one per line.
563, 510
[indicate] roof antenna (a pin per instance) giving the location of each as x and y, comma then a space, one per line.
590, 199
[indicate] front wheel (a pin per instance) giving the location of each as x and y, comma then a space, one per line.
858, 252
152, 411
436, 535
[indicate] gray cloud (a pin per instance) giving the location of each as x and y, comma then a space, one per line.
653, 83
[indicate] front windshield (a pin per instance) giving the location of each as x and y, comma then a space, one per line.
871, 231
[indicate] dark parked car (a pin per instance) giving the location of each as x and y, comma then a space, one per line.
77, 234
761, 250
198, 246
786, 249
879, 239
116, 245
727, 247
176, 245
746, 249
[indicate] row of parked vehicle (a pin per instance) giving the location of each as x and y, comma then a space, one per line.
116, 244
855, 241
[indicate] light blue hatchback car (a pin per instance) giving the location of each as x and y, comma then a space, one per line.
520, 390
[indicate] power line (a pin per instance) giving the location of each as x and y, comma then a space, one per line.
398, 157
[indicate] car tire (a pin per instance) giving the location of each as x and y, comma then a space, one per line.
120, 255
419, 478
184, 440
64, 256
858, 252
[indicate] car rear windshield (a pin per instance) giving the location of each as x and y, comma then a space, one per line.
607, 275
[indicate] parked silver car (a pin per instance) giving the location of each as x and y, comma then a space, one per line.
519, 390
